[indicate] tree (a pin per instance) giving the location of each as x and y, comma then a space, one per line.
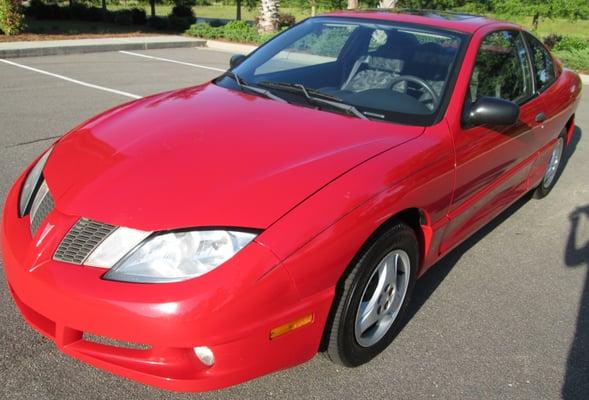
268, 21
11, 17
387, 4
152, 5
238, 10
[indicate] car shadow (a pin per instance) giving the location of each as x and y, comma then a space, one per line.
429, 282
576, 380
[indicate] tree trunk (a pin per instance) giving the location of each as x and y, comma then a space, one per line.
536, 20
387, 4
152, 4
268, 21
238, 11
104, 5
352, 4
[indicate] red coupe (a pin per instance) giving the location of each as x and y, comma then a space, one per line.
195, 239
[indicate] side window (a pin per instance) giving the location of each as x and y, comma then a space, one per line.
543, 63
502, 68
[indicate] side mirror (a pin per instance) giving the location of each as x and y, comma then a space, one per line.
493, 111
236, 59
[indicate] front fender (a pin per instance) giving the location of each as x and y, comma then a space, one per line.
341, 217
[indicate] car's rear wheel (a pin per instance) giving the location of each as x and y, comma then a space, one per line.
369, 312
553, 169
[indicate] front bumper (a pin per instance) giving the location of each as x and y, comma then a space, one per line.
147, 332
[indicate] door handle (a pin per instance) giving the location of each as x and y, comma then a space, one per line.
540, 117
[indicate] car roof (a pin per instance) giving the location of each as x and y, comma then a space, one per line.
468, 23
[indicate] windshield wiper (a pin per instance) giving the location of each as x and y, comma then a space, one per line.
296, 87
325, 98
245, 86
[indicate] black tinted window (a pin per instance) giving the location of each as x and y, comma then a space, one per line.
542, 61
502, 68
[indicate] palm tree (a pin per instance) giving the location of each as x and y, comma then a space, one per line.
387, 3
268, 21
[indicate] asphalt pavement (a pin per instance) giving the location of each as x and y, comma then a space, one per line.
505, 315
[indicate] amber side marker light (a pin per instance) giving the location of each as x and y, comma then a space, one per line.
291, 326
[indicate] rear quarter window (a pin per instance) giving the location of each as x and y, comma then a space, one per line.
542, 62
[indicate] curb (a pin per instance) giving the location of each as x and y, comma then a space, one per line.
230, 47
55, 50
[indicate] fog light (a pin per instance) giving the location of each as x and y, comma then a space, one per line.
205, 355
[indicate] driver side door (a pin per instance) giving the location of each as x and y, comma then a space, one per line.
492, 163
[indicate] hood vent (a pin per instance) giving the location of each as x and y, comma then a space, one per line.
43, 204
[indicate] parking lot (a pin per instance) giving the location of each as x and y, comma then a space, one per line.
505, 315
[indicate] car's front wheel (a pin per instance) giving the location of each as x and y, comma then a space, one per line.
369, 312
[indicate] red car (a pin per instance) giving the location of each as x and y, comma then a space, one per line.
195, 239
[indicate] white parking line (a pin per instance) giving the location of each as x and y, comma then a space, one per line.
130, 53
65, 78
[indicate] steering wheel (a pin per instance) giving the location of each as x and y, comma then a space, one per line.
410, 78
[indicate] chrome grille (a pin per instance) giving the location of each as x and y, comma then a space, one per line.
81, 241
43, 204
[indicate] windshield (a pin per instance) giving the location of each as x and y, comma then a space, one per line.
383, 70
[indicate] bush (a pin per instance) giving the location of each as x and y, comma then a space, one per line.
570, 43
182, 11
92, 14
11, 17
577, 60
237, 31
122, 17
205, 31
138, 16
551, 40
81, 12
215, 23
158, 23
285, 20
240, 31
179, 24
47, 11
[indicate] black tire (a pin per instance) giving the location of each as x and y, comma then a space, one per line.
342, 346
545, 187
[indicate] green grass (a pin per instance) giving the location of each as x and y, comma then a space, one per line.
579, 28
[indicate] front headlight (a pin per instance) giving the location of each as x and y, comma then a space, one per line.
32, 182
166, 257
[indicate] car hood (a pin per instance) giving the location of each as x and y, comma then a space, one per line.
207, 156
